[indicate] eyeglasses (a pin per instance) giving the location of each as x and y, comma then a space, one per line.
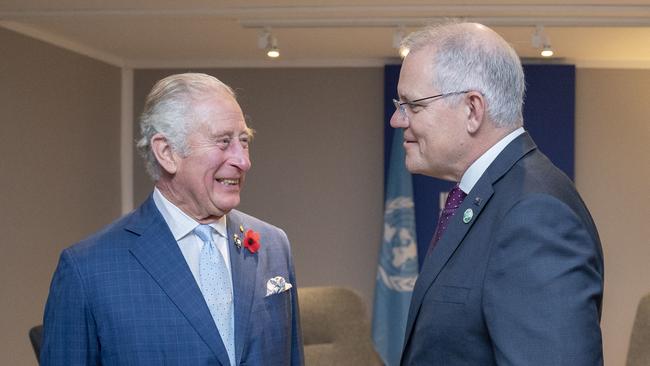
400, 106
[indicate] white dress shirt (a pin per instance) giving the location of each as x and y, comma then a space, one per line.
182, 226
476, 170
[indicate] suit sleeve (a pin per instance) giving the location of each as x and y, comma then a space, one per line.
69, 336
543, 287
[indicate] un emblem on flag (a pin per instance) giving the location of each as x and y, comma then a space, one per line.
398, 261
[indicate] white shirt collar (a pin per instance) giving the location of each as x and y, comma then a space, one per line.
178, 221
478, 167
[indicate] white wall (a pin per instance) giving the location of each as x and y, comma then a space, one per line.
59, 160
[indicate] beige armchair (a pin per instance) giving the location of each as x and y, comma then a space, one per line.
639, 352
335, 327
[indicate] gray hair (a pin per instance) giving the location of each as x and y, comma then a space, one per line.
168, 111
466, 59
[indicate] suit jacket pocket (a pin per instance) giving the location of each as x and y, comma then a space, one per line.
451, 294
279, 304
272, 344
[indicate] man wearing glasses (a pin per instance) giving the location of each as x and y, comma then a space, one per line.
514, 273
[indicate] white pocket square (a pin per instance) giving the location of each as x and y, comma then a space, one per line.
276, 285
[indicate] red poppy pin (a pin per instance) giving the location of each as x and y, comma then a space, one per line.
252, 241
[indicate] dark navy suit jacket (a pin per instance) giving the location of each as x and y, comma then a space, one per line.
521, 283
126, 296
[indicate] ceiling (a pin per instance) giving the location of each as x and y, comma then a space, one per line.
211, 33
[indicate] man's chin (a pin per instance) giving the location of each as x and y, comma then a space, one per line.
412, 167
225, 206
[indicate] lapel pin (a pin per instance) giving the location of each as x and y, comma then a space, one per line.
237, 240
477, 201
467, 215
241, 228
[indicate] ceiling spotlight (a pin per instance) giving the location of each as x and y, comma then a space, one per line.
403, 51
541, 41
398, 37
273, 51
269, 43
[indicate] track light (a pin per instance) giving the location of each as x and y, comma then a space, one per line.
541, 41
269, 43
547, 51
273, 51
398, 37
403, 51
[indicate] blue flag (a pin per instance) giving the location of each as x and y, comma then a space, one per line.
398, 259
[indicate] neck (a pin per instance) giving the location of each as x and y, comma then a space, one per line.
481, 142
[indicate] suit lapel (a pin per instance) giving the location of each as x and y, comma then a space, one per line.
449, 242
456, 231
244, 273
159, 254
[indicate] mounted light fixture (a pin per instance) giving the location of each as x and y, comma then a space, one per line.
398, 37
403, 51
541, 41
547, 51
273, 51
268, 42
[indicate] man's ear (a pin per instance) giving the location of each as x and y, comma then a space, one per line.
475, 106
164, 153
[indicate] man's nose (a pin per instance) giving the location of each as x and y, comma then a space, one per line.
240, 158
397, 120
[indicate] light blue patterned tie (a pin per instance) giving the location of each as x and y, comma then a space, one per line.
217, 288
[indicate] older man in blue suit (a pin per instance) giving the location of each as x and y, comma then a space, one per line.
514, 273
185, 279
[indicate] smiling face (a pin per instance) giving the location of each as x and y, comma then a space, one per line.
434, 131
206, 183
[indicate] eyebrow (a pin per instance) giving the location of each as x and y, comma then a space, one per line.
405, 97
224, 132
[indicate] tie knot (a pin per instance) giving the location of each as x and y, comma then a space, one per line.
204, 232
455, 198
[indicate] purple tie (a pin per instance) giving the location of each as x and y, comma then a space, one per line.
454, 200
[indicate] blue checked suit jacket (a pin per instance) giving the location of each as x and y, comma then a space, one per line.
126, 296
520, 283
